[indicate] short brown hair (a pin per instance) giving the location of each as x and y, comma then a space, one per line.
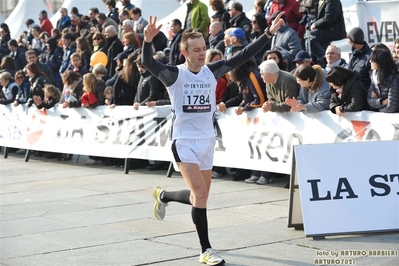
69, 76
187, 36
216, 4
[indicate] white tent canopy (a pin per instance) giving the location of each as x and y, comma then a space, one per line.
159, 8
25, 9
2, 18
180, 14
82, 5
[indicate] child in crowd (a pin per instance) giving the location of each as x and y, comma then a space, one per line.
51, 96
76, 64
109, 96
89, 87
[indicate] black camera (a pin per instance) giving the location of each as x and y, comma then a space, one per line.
29, 102
308, 7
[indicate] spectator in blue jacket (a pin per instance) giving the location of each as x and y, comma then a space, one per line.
69, 46
314, 94
23, 87
64, 21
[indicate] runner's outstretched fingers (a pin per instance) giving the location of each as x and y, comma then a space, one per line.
151, 30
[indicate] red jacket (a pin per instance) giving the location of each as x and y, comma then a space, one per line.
88, 98
292, 15
221, 87
46, 26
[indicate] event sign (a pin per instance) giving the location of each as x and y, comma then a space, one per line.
349, 187
379, 21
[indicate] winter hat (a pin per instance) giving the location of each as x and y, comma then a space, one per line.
238, 33
301, 55
356, 35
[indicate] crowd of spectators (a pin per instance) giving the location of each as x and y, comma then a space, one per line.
53, 64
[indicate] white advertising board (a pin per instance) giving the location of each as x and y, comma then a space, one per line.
349, 187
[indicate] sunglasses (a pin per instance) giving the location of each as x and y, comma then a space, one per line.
98, 38
20, 77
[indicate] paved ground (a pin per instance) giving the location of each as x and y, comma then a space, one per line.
66, 213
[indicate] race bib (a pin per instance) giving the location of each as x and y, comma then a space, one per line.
196, 101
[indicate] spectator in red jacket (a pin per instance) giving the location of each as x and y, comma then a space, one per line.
45, 23
292, 15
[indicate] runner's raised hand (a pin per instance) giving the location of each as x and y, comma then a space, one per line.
151, 30
277, 23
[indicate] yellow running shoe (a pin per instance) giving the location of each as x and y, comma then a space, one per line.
211, 258
159, 206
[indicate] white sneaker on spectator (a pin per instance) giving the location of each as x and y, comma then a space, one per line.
252, 179
264, 180
216, 174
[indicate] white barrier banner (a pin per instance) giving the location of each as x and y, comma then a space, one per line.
349, 187
254, 140
379, 21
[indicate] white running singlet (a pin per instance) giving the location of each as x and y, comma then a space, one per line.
193, 102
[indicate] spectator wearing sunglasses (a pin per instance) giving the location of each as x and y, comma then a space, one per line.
24, 86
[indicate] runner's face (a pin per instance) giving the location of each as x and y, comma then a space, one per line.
196, 52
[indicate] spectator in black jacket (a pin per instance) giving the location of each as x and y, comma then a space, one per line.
220, 11
114, 47
359, 60
328, 26
53, 57
31, 57
5, 37
149, 87
238, 18
113, 11
383, 95
125, 86
216, 34
30, 23
18, 54
347, 93
37, 81
174, 55
100, 43
160, 41
83, 48
8, 65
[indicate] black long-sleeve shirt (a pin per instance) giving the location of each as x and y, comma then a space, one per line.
168, 74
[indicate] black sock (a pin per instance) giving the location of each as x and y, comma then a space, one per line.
182, 196
201, 223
